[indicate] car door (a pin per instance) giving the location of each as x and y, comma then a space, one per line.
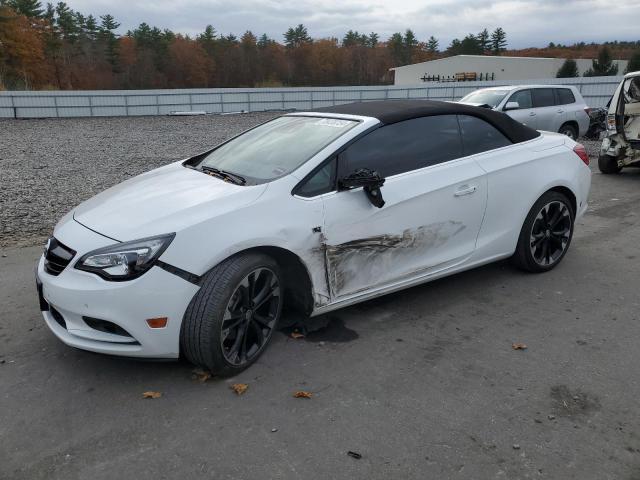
525, 113
434, 206
548, 114
566, 105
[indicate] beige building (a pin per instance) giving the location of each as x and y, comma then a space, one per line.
484, 67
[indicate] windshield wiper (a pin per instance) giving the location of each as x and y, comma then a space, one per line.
224, 175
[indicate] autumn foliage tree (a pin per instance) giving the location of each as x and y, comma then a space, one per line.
53, 46
22, 52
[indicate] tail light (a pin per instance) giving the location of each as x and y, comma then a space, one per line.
582, 153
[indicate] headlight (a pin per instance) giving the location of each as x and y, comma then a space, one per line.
125, 261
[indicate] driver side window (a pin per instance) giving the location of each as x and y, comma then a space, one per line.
404, 146
523, 97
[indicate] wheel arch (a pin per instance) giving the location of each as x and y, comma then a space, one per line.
574, 124
566, 191
297, 279
563, 189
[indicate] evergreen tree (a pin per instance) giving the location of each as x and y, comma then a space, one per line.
353, 39
105, 32
372, 40
432, 45
498, 41
296, 37
603, 66
67, 22
264, 41
469, 45
484, 40
395, 45
28, 8
91, 27
410, 43
569, 69
208, 36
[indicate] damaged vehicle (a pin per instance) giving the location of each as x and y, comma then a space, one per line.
621, 146
311, 212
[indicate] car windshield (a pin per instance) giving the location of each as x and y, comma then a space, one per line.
486, 97
276, 148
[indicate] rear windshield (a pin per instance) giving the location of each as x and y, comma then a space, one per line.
486, 97
276, 148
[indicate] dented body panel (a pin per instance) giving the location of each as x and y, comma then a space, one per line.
431, 218
622, 141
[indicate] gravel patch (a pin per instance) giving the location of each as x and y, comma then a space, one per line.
49, 166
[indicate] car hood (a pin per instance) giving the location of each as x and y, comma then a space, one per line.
163, 200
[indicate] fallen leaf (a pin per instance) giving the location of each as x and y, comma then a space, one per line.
151, 395
201, 375
239, 388
297, 335
519, 346
302, 394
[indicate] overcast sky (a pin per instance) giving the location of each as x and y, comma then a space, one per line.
527, 22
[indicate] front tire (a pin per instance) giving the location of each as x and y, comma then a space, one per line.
546, 234
608, 164
231, 319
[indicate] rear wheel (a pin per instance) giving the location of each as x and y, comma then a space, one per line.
569, 130
230, 321
546, 233
608, 164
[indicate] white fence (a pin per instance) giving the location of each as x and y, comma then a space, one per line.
27, 104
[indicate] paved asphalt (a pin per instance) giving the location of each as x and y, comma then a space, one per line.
422, 384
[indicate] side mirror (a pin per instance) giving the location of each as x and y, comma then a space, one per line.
369, 180
511, 106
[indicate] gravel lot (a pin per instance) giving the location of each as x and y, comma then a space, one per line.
48, 166
423, 383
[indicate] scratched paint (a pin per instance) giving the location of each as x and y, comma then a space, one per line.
359, 264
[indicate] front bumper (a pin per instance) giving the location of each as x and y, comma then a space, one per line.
73, 294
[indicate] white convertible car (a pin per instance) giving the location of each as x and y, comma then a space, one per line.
312, 211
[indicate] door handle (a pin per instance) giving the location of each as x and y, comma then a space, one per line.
532, 114
465, 190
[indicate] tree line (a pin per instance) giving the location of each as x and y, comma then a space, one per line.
600, 67
55, 47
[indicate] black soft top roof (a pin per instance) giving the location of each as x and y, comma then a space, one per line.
393, 111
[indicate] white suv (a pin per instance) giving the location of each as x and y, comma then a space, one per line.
553, 108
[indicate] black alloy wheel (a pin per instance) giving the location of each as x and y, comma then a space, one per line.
250, 316
546, 233
550, 233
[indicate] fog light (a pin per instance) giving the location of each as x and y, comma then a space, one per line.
159, 322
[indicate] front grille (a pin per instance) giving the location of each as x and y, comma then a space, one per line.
57, 256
